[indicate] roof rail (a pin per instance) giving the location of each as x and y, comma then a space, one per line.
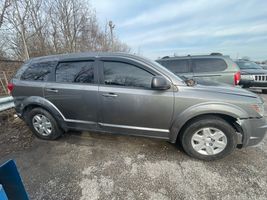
216, 54
165, 57
212, 54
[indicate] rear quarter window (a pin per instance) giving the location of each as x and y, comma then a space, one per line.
208, 65
37, 71
176, 66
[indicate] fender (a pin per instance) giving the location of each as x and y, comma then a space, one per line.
204, 108
44, 103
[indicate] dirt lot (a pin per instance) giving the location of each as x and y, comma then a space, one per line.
14, 135
101, 166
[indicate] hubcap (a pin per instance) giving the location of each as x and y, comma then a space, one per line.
42, 124
209, 141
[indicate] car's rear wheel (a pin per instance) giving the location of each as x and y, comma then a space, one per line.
264, 91
43, 124
208, 138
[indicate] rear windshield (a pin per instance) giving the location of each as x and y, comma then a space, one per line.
248, 65
21, 70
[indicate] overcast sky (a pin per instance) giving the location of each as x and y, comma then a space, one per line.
163, 27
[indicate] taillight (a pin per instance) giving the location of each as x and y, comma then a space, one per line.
10, 87
237, 77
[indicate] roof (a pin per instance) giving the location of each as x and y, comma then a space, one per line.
82, 55
77, 56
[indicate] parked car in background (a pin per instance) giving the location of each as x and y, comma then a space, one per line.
252, 75
215, 67
264, 66
131, 95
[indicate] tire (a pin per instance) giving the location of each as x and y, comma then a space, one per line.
51, 125
194, 137
264, 91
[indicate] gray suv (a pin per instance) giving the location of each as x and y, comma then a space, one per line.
206, 68
127, 94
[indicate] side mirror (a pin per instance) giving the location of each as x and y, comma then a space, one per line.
160, 83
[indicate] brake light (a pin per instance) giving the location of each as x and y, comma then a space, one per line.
237, 77
10, 87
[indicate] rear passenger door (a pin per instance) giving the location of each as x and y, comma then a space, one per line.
74, 92
210, 69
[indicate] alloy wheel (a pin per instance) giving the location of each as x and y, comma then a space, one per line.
42, 124
209, 141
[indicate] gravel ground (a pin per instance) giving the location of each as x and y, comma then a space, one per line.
102, 166
14, 135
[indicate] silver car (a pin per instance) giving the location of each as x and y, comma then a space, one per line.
204, 68
131, 95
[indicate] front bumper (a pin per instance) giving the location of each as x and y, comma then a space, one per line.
252, 83
254, 130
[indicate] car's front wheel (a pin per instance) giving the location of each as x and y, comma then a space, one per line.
43, 124
208, 138
264, 91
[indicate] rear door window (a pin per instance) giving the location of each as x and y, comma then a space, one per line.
208, 65
75, 72
38, 71
176, 66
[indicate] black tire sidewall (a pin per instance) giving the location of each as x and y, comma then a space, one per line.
56, 130
214, 122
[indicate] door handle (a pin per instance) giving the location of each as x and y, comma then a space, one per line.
51, 90
109, 95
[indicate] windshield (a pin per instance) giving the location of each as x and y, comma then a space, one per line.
248, 65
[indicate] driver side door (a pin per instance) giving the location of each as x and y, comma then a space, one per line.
128, 104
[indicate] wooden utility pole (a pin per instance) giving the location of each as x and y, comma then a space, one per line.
111, 27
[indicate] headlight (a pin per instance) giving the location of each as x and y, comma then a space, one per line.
259, 108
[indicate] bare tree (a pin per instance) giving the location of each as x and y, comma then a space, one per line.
17, 17
6, 4
69, 15
37, 35
43, 27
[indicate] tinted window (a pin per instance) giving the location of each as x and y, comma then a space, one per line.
176, 66
75, 72
248, 65
38, 71
209, 65
123, 74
